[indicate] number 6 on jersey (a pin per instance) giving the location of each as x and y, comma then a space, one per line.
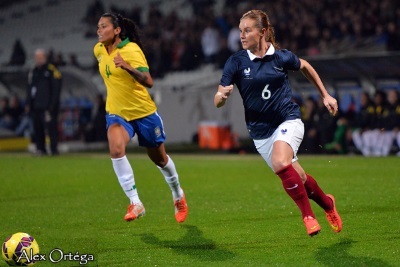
266, 94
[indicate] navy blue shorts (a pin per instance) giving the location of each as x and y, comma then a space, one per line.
150, 130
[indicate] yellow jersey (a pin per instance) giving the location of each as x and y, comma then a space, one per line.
126, 97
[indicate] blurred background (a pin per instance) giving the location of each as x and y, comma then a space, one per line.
353, 45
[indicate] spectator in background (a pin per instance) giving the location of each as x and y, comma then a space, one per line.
363, 123
378, 124
160, 58
233, 41
73, 61
341, 136
393, 37
25, 126
16, 111
339, 142
369, 140
55, 58
96, 131
189, 59
391, 119
59, 60
18, 55
326, 124
10, 112
93, 11
135, 15
223, 54
43, 102
210, 42
309, 117
5, 117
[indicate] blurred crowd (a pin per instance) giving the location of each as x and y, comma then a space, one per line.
175, 42
80, 119
305, 27
371, 128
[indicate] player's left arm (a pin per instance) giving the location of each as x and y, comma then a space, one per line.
311, 75
143, 77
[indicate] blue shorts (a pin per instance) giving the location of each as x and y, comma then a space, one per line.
150, 130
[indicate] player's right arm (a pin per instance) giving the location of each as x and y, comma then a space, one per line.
144, 78
222, 95
310, 73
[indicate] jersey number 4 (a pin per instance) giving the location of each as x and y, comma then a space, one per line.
108, 72
266, 94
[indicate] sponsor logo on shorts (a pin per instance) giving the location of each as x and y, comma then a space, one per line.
157, 131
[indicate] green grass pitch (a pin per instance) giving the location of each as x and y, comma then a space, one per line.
239, 213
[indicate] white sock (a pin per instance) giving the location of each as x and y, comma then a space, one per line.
124, 172
172, 179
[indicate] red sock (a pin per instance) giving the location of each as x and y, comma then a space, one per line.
295, 189
315, 193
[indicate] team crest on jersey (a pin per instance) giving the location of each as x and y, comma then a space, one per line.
157, 131
246, 73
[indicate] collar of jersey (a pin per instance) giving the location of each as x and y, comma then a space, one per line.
123, 43
270, 51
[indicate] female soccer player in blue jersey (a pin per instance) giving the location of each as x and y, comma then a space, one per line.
260, 72
130, 109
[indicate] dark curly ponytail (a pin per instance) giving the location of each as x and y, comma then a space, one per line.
128, 28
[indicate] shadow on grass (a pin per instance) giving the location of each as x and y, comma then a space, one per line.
193, 244
338, 255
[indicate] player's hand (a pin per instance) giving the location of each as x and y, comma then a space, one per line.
120, 62
225, 91
331, 104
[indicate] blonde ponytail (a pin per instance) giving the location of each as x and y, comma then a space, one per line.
262, 21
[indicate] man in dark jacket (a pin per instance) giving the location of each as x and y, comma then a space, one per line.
43, 102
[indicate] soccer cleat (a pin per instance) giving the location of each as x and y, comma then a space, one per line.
135, 211
312, 226
333, 217
181, 209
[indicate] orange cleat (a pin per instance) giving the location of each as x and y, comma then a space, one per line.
181, 209
333, 217
312, 226
135, 211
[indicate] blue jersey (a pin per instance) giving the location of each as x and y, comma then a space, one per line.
264, 86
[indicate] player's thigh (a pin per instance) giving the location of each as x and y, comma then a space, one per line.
150, 131
118, 138
287, 140
119, 132
282, 155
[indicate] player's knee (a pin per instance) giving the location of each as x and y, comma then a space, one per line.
303, 176
117, 150
279, 164
159, 161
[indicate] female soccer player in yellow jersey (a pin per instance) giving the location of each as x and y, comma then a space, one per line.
130, 110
